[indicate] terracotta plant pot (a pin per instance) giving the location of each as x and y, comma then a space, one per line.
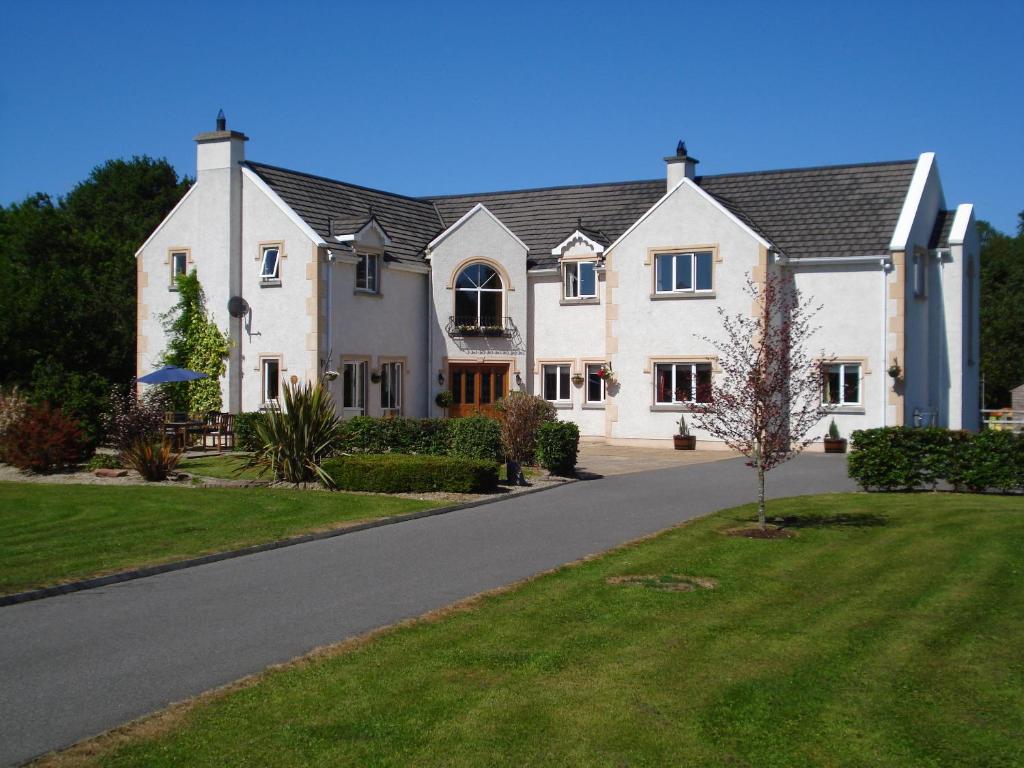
835, 445
684, 442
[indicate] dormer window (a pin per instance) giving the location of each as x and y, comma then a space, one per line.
368, 273
579, 279
270, 263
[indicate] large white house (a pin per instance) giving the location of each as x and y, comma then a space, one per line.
536, 289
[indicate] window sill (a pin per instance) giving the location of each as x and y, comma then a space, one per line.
364, 292
561, 405
172, 288
683, 295
589, 300
270, 283
593, 406
675, 408
856, 410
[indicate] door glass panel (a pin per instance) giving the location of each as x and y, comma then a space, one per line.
485, 387
470, 398
499, 385
457, 386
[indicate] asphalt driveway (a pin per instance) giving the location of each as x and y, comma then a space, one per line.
76, 665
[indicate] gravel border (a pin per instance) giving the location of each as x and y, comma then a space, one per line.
152, 570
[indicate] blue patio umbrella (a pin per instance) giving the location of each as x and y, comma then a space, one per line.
170, 373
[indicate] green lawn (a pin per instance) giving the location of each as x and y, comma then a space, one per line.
887, 632
227, 466
56, 533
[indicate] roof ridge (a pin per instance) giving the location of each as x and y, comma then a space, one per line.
810, 168
337, 181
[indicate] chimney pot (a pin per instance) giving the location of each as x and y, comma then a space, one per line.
222, 122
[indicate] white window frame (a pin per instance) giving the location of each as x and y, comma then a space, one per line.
265, 366
276, 272
370, 265
675, 256
359, 368
676, 364
478, 292
842, 402
586, 384
558, 382
571, 270
174, 266
391, 372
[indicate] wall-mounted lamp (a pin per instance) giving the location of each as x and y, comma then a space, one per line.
440, 379
519, 380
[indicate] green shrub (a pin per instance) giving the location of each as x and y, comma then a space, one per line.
104, 461
365, 434
246, 437
294, 441
44, 439
882, 459
558, 444
402, 473
475, 437
991, 460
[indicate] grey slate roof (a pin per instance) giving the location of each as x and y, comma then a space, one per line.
846, 210
943, 226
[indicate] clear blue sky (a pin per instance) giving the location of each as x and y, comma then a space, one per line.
440, 97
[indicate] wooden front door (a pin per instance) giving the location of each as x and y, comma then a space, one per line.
476, 388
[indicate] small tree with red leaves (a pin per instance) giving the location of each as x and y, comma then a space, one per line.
768, 394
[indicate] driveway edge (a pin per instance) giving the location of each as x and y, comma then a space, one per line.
179, 565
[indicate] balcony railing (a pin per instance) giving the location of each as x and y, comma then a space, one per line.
461, 327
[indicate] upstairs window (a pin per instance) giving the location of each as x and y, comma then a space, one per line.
683, 272
579, 279
270, 262
841, 385
681, 383
179, 266
479, 297
368, 272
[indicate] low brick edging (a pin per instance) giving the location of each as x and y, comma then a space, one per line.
179, 565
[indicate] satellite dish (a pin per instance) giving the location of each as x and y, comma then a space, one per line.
238, 307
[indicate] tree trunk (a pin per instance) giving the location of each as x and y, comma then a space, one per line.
760, 495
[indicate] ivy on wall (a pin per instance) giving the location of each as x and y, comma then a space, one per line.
195, 343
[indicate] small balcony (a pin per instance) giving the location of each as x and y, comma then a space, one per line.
464, 327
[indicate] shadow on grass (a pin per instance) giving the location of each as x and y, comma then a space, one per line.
844, 520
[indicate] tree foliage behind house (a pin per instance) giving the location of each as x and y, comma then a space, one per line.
1002, 312
67, 300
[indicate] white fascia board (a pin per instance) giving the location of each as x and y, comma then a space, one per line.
684, 182
961, 222
297, 220
918, 183
542, 272
472, 212
167, 218
818, 261
577, 235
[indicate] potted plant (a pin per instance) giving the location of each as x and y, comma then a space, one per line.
444, 398
684, 441
606, 373
895, 372
375, 376
833, 442
577, 379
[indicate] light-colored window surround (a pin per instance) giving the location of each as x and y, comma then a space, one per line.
354, 376
179, 259
693, 292
269, 257
392, 385
368, 273
843, 385
476, 292
270, 381
579, 280
677, 384
556, 383
593, 385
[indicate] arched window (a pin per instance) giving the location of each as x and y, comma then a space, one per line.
479, 297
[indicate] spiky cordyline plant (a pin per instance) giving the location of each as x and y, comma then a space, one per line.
295, 439
768, 395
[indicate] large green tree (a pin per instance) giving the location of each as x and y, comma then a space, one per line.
67, 300
1002, 312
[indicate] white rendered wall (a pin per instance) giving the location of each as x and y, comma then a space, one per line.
644, 328
567, 332
480, 237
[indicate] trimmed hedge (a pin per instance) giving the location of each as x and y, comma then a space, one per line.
558, 444
402, 473
901, 458
475, 437
246, 438
365, 434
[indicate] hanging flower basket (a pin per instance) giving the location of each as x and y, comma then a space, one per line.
606, 374
577, 379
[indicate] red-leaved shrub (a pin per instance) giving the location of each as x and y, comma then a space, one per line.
44, 439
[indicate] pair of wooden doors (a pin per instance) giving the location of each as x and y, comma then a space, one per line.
476, 388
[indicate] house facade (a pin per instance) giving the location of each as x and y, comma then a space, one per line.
545, 289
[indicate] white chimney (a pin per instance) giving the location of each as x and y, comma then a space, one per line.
680, 166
